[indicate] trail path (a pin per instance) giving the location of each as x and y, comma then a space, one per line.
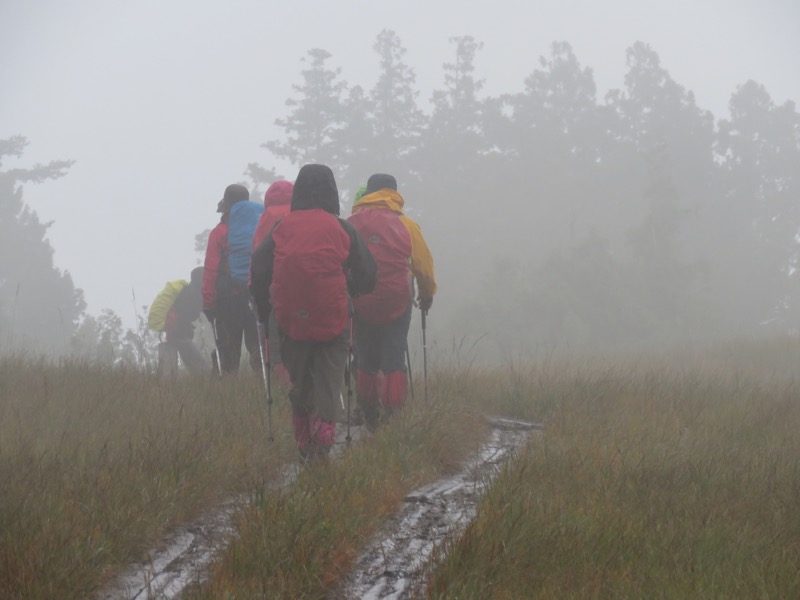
181, 560
183, 557
393, 564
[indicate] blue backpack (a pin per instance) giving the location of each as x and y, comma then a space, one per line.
242, 223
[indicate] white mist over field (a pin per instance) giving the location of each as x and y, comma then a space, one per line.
163, 104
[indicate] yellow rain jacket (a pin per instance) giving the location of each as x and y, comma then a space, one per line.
421, 259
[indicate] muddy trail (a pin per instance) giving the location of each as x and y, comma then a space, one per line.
395, 561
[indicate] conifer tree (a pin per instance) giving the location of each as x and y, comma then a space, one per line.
39, 305
384, 126
316, 115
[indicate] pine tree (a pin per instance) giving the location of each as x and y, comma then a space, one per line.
39, 305
383, 127
452, 167
552, 143
758, 213
316, 116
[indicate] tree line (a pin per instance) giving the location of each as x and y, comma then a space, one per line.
560, 218
557, 218
41, 309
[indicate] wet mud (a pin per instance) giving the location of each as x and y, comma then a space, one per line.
396, 561
393, 564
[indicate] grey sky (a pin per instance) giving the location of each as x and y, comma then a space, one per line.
162, 104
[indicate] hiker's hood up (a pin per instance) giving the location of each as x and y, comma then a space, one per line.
315, 187
383, 198
279, 194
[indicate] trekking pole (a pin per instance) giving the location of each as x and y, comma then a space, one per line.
265, 368
410, 375
216, 368
424, 357
348, 373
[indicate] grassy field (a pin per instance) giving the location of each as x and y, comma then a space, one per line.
660, 477
96, 464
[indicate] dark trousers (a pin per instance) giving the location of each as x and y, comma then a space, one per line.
235, 320
317, 372
382, 347
274, 341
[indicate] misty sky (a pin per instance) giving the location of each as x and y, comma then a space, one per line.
163, 103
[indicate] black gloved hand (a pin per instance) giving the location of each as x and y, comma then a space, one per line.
425, 304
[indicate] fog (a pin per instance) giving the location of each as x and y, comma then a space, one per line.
596, 193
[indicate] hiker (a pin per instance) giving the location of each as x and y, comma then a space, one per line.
382, 318
305, 271
277, 203
173, 312
226, 301
179, 328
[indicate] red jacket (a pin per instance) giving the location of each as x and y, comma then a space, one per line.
309, 262
309, 288
390, 244
376, 217
269, 217
277, 202
216, 264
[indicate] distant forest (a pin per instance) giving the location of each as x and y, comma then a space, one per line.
561, 220
558, 220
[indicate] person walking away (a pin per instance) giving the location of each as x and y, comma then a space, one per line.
382, 318
172, 312
226, 301
277, 204
306, 270
179, 327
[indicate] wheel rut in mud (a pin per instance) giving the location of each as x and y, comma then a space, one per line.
181, 560
394, 563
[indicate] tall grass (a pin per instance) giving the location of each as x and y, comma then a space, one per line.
655, 479
301, 542
97, 463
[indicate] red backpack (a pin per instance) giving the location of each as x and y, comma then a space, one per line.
390, 243
309, 289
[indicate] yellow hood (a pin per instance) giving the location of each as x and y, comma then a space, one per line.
384, 198
421, 259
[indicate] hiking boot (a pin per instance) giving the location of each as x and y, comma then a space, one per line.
389, 414
371, 416
357, 417
322, 433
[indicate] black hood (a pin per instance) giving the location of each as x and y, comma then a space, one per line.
197, 276
315, 187
380, 181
